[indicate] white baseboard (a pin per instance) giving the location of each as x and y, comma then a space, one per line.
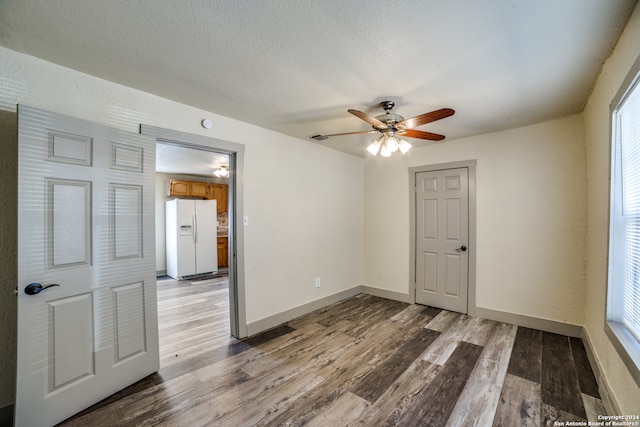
499, 316
285, 316
384, 293
531, 322
610, 403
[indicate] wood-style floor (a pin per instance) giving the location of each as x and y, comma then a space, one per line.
365, 361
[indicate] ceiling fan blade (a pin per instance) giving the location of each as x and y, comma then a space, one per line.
353, 133
367, 118
412, 133
426, 118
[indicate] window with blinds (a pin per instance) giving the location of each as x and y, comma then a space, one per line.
623, 302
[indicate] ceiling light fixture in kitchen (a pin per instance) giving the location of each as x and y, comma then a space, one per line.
222, 172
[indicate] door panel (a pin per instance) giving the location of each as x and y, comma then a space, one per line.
452, 220
68, 222
430, 271
442, 228
71, 338
68, 148
126, 225
452, 272
430, 219
129, 321
85, 223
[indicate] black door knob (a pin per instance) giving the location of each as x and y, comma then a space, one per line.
36, 288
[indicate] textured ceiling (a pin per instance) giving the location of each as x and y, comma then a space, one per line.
296, 66
177, 159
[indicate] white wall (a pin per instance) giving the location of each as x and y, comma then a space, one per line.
531, 218
596, 117
304, 201
305, 207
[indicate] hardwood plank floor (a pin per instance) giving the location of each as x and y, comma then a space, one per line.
560, 385
365, 361
526, 358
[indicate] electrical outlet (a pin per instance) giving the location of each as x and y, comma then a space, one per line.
317, 282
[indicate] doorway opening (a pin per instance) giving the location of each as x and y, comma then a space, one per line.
219, 153
192, 260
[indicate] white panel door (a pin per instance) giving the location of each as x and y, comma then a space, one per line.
85, 239
442, 233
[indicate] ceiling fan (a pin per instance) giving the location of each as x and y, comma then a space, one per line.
391, 126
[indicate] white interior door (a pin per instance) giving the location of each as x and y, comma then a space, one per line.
86, 224
442, 233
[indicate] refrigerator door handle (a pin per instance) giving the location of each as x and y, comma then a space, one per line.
194, 218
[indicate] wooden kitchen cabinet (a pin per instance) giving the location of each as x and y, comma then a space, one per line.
223, 252
199, 189
203, 190
182, 188
178, 187
220, 193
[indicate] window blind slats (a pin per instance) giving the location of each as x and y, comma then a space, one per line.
631, 289
626, 235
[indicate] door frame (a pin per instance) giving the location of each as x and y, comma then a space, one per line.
470, 165
235, 151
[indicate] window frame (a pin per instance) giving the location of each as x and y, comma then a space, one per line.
625, 343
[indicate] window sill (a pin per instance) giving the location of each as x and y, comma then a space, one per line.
627, 347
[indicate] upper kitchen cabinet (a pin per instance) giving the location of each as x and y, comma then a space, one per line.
178, 187
220, 193
181, 188
202, 190
199, 189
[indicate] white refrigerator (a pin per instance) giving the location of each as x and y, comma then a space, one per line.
192, 245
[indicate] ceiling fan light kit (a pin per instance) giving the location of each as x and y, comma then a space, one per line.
391, 126
388, 144
221, 172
